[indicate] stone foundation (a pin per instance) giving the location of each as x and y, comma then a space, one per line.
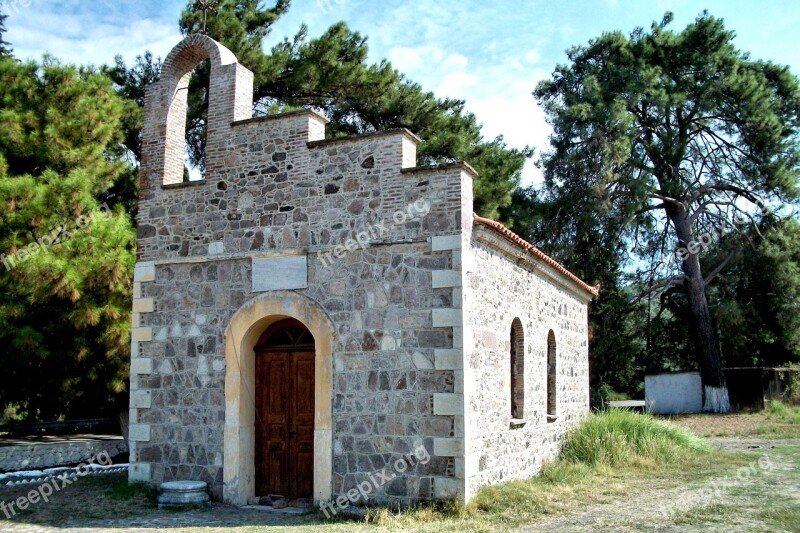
26, 455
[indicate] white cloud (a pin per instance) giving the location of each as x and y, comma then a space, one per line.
417, 60
405, 59
498, 93
94, 34
533, 56
455, 84
433, 67
516, 116
99, 45
456, 61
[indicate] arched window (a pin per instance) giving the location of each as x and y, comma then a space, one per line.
552, 370
517, 370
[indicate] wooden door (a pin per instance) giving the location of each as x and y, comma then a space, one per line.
285, 411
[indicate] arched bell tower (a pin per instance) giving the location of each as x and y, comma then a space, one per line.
163, 134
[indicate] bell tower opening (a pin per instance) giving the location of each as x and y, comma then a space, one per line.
196, 128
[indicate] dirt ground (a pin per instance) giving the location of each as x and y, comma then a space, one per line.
736, 425
763, 495
726, 503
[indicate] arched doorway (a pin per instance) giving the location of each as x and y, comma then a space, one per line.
284, 450
245, 329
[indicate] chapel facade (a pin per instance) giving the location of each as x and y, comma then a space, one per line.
322, 318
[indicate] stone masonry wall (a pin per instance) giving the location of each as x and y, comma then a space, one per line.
421, 302
282, 188
503, 284
380, 299
25, 455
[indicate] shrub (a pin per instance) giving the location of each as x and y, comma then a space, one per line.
619, 437
783, 413
613, 438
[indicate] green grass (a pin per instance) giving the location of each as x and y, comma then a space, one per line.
781, 515
599, 461
123, 490
776, 421
713, 513
602, 460
619, 437
613, 396
772, 503
783, 413
764, 503
609, 457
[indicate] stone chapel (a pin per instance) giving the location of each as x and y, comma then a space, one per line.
316, 311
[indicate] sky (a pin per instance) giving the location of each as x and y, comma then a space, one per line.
491, 53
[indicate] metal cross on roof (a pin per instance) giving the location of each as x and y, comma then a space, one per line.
205, 6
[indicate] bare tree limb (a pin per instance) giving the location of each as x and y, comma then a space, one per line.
667, 199
714, 273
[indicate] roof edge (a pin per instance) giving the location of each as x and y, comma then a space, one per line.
372, 134
466, 167
283, 115
549, 261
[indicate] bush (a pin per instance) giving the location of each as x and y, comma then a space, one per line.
621, 437
783, 413
599, 397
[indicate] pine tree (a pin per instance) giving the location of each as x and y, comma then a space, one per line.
5, 46
673, 134
66, 266
756, 302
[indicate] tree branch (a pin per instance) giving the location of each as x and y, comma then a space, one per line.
667, 199
714, 273
678, 281
651, 208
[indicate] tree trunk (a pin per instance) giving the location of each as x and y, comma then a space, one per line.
715, 392
124, 426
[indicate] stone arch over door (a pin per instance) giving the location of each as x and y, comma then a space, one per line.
241, 337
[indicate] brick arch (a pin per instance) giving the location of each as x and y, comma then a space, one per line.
241, 336
192, 50
230, 99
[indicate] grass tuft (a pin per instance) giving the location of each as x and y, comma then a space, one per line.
783, 413
596, 464
418, 515
783, 515
127, 491
621, 437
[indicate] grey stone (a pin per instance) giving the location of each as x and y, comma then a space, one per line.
184, 486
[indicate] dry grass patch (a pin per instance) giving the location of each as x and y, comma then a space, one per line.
778, 421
